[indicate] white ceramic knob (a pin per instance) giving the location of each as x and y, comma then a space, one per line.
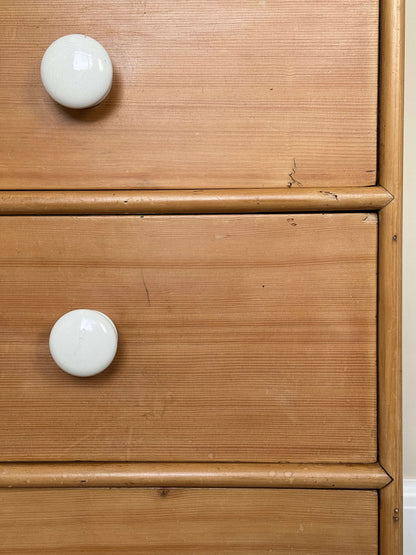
83, 342
76, 71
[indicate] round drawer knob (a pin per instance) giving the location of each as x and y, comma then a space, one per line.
76, 71
83, 342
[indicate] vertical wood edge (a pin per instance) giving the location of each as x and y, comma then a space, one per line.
390, 404
390, 268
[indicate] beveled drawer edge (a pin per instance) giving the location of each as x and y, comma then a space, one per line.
246, 475
200, 201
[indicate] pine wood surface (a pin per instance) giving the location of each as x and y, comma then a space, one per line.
392, 46
206, 94
254, 475
189, 124
242, 338
214, 201
177, 521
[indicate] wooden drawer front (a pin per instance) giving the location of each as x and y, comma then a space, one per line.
242, 338
206, 94
188, 521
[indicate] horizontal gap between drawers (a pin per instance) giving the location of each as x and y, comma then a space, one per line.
253, 475
219, 201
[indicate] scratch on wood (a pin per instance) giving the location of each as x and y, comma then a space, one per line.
293, 181
333, 195
146, 289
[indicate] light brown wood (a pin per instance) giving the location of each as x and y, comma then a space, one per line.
185, 521
224, 201
242, 338
222, 96
206, 95
390, 263
253, 475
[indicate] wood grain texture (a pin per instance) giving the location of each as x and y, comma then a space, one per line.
390, 263
177, 521
253, 475
242, 338
214, 201
206, 95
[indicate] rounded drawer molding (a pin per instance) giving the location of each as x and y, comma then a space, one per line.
76, 71
83, 342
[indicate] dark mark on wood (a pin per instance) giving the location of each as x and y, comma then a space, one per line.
164, 492
293, 181
335, 196
146, 289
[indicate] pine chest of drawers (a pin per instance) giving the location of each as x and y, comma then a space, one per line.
234, 206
